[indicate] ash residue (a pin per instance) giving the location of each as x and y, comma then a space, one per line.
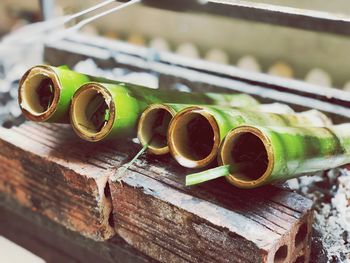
10, 113
330, 192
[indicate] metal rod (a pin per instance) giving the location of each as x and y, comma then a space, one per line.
260, 12
198, 73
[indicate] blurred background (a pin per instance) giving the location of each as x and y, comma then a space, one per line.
316, 57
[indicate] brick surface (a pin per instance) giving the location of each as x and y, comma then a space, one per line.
47, 169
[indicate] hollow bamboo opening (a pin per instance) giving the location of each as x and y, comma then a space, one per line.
250, 155
153, 127
194, 137
92, 112
39, 93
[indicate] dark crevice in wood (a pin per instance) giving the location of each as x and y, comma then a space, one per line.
107, 193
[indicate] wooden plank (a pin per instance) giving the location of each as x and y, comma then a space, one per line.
48, 175
214, 222
152, 210
54, 243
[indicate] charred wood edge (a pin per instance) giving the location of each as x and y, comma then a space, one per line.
198, 74
55, 243
260, 12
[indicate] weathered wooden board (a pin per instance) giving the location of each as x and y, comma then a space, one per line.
48, 169
210, 223
56, 244
41, 169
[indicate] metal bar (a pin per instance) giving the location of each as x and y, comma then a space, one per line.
259, 12
199, 74
327, 94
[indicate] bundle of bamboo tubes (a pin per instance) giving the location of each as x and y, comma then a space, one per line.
254, 144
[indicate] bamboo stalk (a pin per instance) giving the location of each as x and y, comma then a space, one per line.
155, 120
153, 123
280, 153
45, 93
195, 133
119, 107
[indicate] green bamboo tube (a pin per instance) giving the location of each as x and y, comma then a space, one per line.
104, 111
153, 126
195, 133
155, 120
263, 155
45, 92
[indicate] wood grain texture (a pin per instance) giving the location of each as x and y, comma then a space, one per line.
48, 169
44, 171
212, 223
56, 244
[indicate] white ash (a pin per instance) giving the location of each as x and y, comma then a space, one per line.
10, 112
136, 140
181, 87
331, 193
89, 67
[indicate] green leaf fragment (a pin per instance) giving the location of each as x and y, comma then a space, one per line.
121, 171
208, 175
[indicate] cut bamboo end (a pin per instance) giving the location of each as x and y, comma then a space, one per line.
247, 145
194, 137
39, 93
92, 112
153, 127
